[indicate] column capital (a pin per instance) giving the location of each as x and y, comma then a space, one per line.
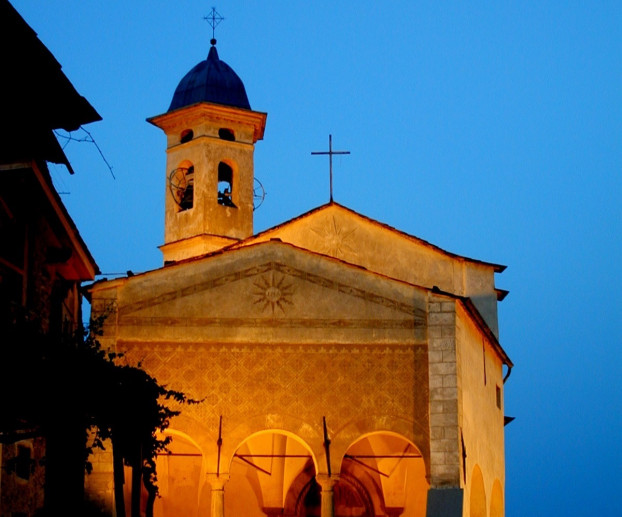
217, 481
327, 482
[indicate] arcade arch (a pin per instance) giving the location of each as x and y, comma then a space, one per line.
181, 479
263, 470
477, 499
275, 472
496, 500
387, 470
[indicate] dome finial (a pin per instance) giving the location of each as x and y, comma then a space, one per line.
213, 18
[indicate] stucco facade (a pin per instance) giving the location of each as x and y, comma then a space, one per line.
344, 367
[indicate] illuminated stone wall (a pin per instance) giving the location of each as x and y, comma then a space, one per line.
276, 339
480, 380
357, 388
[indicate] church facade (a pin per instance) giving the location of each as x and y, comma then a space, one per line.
345, 368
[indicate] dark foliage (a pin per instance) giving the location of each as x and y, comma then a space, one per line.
64, 387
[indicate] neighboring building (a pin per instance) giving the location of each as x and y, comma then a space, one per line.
345, 368
43, 259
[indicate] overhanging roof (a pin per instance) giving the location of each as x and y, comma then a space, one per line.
36, 97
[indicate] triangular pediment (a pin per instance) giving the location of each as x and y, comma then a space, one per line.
272, 291
344, 234
339, 232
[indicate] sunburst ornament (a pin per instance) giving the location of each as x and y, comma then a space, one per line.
336, 241
272, 292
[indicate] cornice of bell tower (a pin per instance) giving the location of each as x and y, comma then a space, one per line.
210, 117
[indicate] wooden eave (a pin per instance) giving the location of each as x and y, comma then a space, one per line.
84, 264
37, 97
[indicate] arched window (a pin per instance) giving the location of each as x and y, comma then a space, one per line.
23, 461
225, 185
186, 136
226, 134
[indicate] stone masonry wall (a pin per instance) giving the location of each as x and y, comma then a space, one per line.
443, 378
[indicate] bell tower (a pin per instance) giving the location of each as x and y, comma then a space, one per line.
211, 133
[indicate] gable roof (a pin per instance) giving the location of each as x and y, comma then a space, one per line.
498, 268
337, 231
37, 98
27, 191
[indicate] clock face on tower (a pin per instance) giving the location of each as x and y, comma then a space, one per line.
181, 186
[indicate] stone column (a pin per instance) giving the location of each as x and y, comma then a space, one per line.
217, 484
327, 483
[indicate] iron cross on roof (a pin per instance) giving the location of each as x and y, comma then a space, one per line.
330, 153
213, 18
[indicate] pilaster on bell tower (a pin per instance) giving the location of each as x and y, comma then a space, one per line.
211, 134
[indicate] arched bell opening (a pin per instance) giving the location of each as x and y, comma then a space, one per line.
181, 185
226, 134
225, 185
391, 471
262, 472
186, 136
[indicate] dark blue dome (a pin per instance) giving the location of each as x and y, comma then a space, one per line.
211, 80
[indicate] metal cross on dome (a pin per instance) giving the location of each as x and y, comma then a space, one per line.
330, 153
213, 18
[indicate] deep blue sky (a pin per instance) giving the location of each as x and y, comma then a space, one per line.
491, 129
